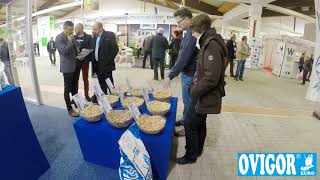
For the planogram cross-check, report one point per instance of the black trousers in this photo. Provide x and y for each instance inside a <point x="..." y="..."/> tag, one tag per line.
<point x="146" y="54"/>
<point x="156" y="63"/>
<point x="70" y="86"/>
<point x="102" y="81"/>
<point x="138" y="52"/>
<point x="173" y="61"/>
<point x="304" y="78"/>
<point x="230" y="61"/>
<point x="53" y="60"/>
<point x="196" y="131"/>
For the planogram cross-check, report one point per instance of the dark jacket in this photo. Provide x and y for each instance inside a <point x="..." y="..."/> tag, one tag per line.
<point x="67" y="53"/>
<point x="49" y="49"/>
<point x="208" y="83"/>
<point x="231" y="49"/>
<point x="108" y="50"/>
<point x="4" y="52"/>
<point x="187" y="58"/>
<point x="159" y="45"/>
<point x="147" y="43"/>
<point x="301" y="61"/>
<point x="175" y="46"/>
<point x="308" y="65"/>
<point x="84" y="43"/>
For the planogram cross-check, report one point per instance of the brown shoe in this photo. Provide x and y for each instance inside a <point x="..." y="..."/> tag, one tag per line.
<point x="73" y="113"/>
<point x="88" y="98"/>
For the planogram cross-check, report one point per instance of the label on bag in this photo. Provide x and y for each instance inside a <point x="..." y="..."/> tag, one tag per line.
<point x="104" y="103"/>
<point x="80" y="101"/>
<point x="146" y="95"/>
<point x="128" y="83"/>
<point x="134" y="111"/>
<point x="109" y="83"/>
<point x="98" y="91"/>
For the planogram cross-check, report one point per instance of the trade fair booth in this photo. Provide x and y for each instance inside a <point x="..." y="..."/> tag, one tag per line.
<point x="281" y="55"/>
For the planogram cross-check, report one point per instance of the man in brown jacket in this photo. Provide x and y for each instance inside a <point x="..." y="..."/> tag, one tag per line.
<point x="207" y="89"/>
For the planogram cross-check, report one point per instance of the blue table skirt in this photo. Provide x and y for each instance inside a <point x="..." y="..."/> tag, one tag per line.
<point x="99" y="142"/>
<point x="21" y="156"/>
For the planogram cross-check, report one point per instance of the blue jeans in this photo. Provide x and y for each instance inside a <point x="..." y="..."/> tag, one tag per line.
<point x="186" y="97"/>
<point x="240" y="69"/>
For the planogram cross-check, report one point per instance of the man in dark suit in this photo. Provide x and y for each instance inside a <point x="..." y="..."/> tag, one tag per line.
<point x="51" y="48"/>
<point x="67" y="50"/>
<point x="232" y="49"/>
<point x="105" y="50"/>
<point x="159" y="44"/>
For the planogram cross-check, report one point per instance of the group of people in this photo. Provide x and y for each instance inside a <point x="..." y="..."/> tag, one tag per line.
<point x="305" y="65"/>
<point x="201" y="64"/>
<point x="70" y="44"/>
<point x="155" y="47"/>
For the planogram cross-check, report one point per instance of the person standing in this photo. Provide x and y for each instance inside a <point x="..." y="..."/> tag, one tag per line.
<point x="139" y="44"/>
<point x="147" y="51"/>
<point x="301" y="62"/>
<point x="242" y="54"/>
<point x="106" y="49"/>
<point x="306" y="69"/>
<point x="36" y="48"/>
<point x="5" y="58"/>
<point x="232" y="49"/>
<point x="311" y="62"/>
<point x="187" y="59"/>
<point x="51" y="48"/>
<point x="67" y="50"/>
<point x="83" y="41"/>
<point x="174" y="47"/>
<point x="207" y="88"/>
<point x="159" y="44"/>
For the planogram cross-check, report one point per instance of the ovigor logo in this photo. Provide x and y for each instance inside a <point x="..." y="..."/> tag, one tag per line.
<point x="277" y="164"/>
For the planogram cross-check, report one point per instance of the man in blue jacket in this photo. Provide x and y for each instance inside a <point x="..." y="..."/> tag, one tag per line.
<point x="187" y="59"/>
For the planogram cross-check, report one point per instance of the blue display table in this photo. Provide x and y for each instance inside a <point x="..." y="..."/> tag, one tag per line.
<point x="21" y="156"/>
<point x="99" y="142"/>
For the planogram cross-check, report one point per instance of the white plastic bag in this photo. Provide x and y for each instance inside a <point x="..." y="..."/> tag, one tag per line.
<point x="135" y="160"/>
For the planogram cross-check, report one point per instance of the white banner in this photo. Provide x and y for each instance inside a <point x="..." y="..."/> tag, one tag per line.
<point x="313" y="93"/>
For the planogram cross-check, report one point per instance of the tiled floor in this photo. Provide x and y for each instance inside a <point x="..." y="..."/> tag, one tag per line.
<point x="262" y="114"/>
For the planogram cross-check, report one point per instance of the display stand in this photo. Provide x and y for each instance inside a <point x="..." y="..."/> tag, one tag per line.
<point x="99" y="142"/>
<point x="20" y="153"/>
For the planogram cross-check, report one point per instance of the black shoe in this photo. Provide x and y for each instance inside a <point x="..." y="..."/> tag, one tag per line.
<point x="235" y="78"/>
<point x="179" y="123"/>
<point x="225" y="76"/>
<point x="308" y="80"/>
<point x="241" y="79"/>
<point x="185" y="160"/>
<point x="302" y="83"/>
<point x="231" y="75"/>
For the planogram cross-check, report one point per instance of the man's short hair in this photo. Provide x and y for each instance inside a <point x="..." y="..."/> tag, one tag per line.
<point x="183" y="12"/>
<point x="1" y="40"/>
<point x="99" y="24"/>
<point x="201" y="23"/>
<point x="244" y="38"/>
<point x="68" y="24"/>
<point x="80" y="25"/>
<point x="160" y="30"/>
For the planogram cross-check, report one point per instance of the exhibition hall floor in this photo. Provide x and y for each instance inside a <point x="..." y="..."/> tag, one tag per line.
<point x="262" y="114"/>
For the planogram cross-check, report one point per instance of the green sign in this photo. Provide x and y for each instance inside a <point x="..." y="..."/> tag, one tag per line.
<point x="51" y="23"/>
<point x="44" y="41"/>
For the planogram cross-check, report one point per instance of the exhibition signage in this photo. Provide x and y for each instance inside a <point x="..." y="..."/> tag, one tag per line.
<point x="91" y="5"/>
<point x="277" y="164"/>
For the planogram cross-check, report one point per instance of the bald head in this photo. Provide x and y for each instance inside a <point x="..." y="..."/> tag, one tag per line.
<point x="79" y="29"/>
<point x="97" y="28"/>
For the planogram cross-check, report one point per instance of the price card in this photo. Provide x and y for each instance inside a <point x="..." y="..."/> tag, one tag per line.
<point x="109" y="83"/>
<point x="121" y="96"/>
<point x="104" y="103"/>
<point x="80" y="101"/>
<point x="128" y="83"/>
<point x="98" y="91"/>
<point x="146" y="95"/>
<point x="150" y="88"/>
<point x="134" y="111"/>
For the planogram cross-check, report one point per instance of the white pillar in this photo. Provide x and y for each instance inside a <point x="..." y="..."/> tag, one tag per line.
<point x="224" y="27"/>
<point x="313" y="92"/>
<point x="254" y="19"/>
